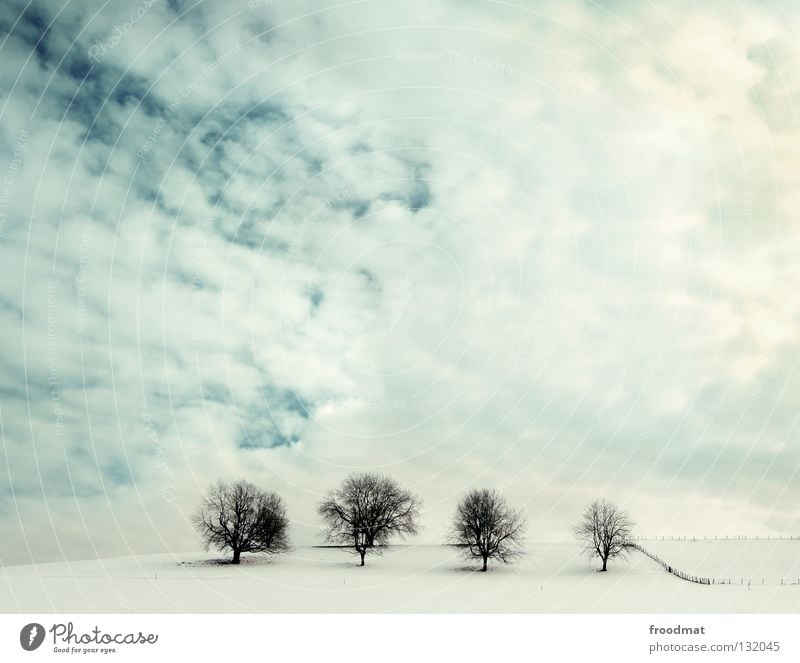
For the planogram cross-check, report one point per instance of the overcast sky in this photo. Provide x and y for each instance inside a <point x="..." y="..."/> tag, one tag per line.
<point x="552" y="250"/>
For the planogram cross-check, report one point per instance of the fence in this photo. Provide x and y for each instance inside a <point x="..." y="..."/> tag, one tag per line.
<point x="727" y="537"/>
<point x="671" y="569"/>
<point x="702" y="580"/>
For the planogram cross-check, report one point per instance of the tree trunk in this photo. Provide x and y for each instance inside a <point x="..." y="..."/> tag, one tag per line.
<point x="236" y="554"/>
<point x="362" y="553"/>
<point x="605" y="562"/>
<point x="485" y="561"/>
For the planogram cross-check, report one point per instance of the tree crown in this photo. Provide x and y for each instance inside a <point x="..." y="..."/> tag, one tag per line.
<point x="487" y="527"/>
<point x="368" y="509"/>
<point x="240" y="517"/>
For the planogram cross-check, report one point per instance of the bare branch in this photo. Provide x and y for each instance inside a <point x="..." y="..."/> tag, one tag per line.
<point x="241" y="518"/>
<point x="367" y="510"/>
<point x="487" y="528"/>
<point x="604" y="531"/>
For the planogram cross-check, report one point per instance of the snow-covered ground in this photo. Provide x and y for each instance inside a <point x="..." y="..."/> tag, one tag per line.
<point x="550" y="578"/>
<point x="758" y="560"/>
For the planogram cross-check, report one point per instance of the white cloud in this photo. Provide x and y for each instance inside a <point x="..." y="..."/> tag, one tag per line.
<point x="546" y="249"/>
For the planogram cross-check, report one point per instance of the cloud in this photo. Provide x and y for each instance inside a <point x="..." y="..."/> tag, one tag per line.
<point x="545" y="249"/>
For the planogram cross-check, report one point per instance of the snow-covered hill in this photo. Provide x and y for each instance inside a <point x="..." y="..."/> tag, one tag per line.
<point x="551" y="578"/>
<point x="770" y="561"/>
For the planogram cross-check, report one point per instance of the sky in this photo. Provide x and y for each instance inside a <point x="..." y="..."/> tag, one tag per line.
<point x="545" y="247"/>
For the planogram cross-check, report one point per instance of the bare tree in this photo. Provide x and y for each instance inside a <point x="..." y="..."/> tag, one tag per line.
<point x="241" y="518"/>
<point x="273" y="524"/>
<point x="487" y="528"/>
<point x="367" y="510"/>
<point x="604" y="530"/>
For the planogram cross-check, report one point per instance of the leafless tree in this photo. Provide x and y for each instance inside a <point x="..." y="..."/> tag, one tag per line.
<point x="241" y="518"/>
<point x="487" y="528"/>
<point x="604" y="530"/>
<point x="367" y="510"/>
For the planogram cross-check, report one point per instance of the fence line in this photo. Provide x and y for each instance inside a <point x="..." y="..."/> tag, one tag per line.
<point x="703" y="580"/>
<point x="700" y="580"/>
<point x="727" y="537"/>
